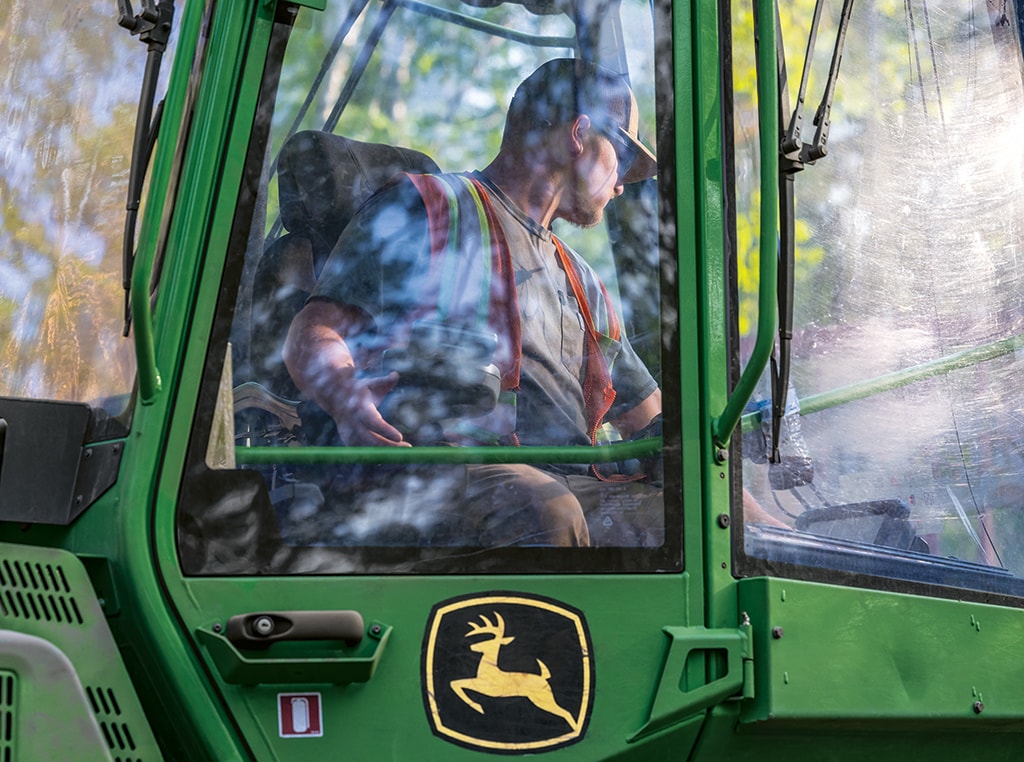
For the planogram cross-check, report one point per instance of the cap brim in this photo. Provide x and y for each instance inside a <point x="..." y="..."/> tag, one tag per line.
<point x="644" y="166"/>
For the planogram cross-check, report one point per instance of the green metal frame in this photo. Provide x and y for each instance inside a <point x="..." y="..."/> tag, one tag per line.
<point x="214" y="54"/>
<point x="657" y="601"/>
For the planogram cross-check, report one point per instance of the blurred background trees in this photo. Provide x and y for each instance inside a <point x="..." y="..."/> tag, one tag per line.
<point x="68" y="89"/>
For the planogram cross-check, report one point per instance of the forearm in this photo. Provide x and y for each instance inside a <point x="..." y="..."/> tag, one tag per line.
<point x="318" y="358"/>
<point x="636" y="418"/>
<point x="323" y="368"/>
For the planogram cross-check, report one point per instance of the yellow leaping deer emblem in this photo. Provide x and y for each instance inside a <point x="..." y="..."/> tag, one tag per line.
<point x="492" y="680"/>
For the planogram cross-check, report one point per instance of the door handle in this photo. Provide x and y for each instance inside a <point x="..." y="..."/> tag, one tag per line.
<point x="261" y="630"/>
<point x="347" y="651"/>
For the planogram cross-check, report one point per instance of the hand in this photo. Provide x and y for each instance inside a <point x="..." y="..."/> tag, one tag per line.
<point x="323" y="368"/>
<point x="359" y="421"/>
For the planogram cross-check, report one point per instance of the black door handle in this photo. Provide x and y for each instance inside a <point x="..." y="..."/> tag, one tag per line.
<point x="261" y="629"/>
<point x="353" y="660"/>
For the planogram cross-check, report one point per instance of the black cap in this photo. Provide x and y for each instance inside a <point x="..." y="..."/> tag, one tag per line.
<point x="563" y="88"/>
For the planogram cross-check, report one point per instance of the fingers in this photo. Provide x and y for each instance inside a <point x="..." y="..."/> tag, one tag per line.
<point x="379" y="432"/>
<point x="361" y="423"/>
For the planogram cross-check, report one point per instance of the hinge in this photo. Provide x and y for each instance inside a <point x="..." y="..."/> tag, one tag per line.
<point x="728" y="667"/>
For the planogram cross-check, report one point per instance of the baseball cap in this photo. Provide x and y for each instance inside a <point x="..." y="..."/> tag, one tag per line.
<point x="562" y="88"/>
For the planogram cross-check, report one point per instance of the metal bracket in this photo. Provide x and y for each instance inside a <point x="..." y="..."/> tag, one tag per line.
<point x="730" y="652"/>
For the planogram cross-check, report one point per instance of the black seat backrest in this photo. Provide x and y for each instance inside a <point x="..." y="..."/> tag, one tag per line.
<point x="323" y="179"/>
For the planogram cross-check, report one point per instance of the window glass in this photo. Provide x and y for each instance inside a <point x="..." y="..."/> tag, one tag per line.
<point x="901" y="448"/>
<point x="434" y="263"/>
<point x="68" y="100"/>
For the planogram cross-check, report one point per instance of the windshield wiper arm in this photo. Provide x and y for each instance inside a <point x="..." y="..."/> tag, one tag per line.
<point x="153" y="27"/>
<point x="794" y="155"/>
<point x="792" y="148"/>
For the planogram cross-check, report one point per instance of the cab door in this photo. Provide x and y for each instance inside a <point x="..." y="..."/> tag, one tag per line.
<point x="333" y="621"/>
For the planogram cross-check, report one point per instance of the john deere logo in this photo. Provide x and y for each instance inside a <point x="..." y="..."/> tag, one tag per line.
<point x="507" y="672"/>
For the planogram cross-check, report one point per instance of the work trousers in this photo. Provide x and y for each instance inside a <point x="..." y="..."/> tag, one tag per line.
<point x="520" y="504"/>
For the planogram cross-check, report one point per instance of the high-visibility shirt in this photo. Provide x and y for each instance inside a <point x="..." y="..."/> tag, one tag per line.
<point x="462" y="222"/>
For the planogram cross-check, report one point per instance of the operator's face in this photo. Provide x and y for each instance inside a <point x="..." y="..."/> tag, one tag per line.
<point x="597" y="175"/>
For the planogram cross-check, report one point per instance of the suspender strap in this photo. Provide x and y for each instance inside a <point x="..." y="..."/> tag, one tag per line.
<point x="461" y="218"/>
<point x="598" y="393"/>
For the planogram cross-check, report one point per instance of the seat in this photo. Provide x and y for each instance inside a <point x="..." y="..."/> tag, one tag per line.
<point x="323" y="180"/>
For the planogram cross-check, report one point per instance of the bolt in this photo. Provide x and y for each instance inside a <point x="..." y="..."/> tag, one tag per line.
<point x="376" y="630"/>
<point x="723" y="520"/>
<point x="263" y="626"/>
<point x="722" y="455"/>
<point x="777" y="632"/>
<point x="978" y="707"/>
<point x="217" y="627"/>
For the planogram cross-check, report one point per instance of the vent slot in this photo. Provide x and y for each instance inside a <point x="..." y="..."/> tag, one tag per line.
<point x="115" y="731"/>
<point x="37" y="591"/>
<point x="7" y="686"/>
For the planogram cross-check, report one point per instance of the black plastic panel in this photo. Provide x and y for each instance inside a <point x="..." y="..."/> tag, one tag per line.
<point x="47" y="475"/>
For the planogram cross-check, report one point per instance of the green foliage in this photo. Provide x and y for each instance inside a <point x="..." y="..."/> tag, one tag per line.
<point x="858" y="98"/>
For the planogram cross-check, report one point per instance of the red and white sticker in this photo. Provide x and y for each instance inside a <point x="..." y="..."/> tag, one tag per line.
<point x="299" y="715"/>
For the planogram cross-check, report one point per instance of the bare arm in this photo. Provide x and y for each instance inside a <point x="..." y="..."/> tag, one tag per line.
<point x="636" y="418"/>
<point x="322" y="367"/>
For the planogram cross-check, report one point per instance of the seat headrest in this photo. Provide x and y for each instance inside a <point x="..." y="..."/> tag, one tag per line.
<point x="324" y="178"/>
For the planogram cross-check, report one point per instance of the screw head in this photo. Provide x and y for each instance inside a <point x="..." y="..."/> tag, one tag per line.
<point x="724" y="520"/>
<point x="777" y="632"/>
<point x="978" y="707"/>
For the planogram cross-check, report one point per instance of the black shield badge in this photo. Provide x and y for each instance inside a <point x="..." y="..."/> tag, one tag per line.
<point x="507" y="672"/>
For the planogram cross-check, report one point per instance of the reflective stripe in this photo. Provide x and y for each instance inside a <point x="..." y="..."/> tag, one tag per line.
<point x="450" y="263"/>
<point x="484" y="305"/>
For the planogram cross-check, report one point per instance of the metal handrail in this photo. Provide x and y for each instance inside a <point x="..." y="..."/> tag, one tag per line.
<point x="815" y="403"/>
<point x="380" y="455"/>
<point x="767" y="307"/>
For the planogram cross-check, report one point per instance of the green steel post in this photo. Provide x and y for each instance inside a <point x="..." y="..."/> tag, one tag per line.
<point x="767" y="103"/>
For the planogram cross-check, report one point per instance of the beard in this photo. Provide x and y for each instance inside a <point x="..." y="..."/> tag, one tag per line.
<point x="586" y="212"/>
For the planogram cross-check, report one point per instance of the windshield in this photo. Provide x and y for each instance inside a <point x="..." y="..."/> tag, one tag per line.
<point x="903" y="440"/>
<point x="431" y="368"/>
<point x="68" y="99"/>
